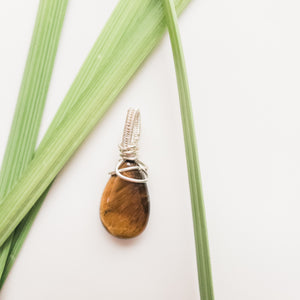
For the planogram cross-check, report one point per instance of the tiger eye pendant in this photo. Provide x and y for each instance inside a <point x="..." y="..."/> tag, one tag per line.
<point x="124" y="208"/>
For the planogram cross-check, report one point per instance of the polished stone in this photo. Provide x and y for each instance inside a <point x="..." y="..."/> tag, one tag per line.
<point x="124" y="209"/>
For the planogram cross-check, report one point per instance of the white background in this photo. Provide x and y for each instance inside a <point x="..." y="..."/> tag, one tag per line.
<point x="243" y="63"/>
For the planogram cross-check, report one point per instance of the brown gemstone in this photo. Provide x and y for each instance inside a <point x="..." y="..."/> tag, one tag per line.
<point x="124" y="209"/>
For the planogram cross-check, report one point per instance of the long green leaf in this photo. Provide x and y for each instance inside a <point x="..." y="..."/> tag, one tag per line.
<point x="106" y="44"/>
<point x="32" y="96"/>
<point x="200" y="231"/>
<point x="111" y="76"/>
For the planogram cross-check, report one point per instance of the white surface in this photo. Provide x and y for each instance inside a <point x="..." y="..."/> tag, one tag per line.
<point x="243" y="64"/>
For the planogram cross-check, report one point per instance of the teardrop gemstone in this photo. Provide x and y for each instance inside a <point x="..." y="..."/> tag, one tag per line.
<point x="124" y="209"/>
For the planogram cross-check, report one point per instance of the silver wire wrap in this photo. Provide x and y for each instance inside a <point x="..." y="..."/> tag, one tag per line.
<point x="129" y="147"/>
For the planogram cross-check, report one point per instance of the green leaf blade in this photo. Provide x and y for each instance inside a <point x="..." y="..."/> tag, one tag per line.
<point x="198" y="209"/>
<point x="31" y="100"/>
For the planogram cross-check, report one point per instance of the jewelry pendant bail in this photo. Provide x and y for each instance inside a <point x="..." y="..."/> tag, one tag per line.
<point x="129" y="147"/>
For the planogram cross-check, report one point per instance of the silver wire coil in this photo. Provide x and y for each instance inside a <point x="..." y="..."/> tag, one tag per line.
<point x="131" y="135"/>
<point x="129" y="147"/>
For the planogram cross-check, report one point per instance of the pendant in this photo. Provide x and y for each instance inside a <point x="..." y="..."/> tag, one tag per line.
<point x="124" y="208"/>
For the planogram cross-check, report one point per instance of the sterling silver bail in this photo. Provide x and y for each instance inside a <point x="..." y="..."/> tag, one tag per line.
<point x="129" y="147"/>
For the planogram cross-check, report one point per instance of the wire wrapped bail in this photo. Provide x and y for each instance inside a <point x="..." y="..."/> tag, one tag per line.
<point x="129" y="147"/>
<point x="131" y="135"/>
